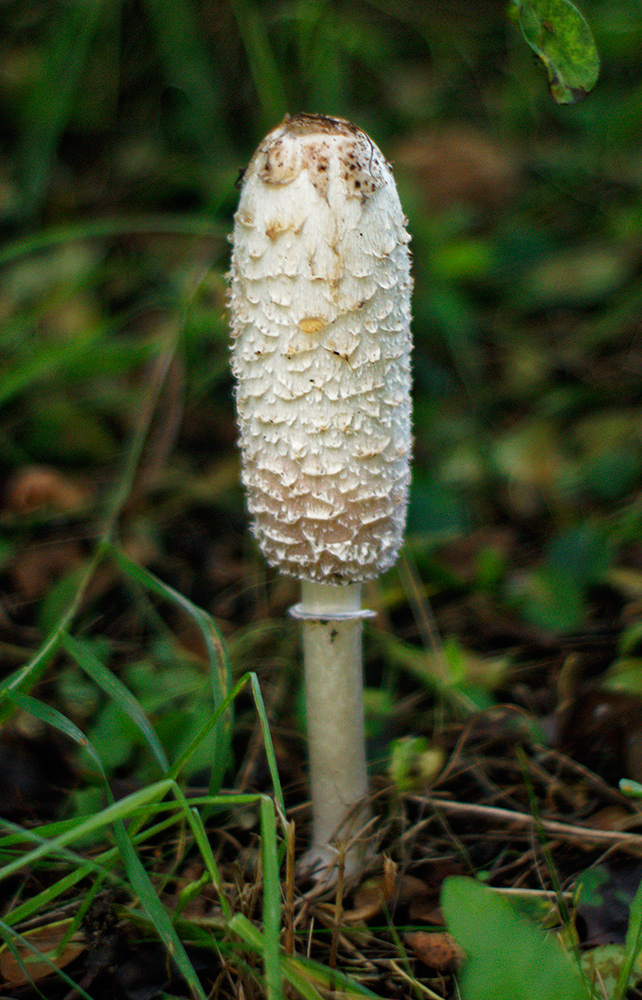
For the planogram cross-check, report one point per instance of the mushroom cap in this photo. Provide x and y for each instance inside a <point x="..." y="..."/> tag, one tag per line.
<point x="320" y="312"/>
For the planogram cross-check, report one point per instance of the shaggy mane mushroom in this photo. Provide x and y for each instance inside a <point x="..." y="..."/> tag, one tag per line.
<point x="320" y="311"/>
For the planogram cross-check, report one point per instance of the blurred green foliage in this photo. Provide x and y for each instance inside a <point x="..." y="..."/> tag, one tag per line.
<point x="124" y="124"/>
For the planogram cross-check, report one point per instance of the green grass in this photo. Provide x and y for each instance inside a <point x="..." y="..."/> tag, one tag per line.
<point x="146" y="812"/>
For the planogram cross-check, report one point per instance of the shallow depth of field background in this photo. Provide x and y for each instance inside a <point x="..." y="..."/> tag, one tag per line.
<point x="123" y="127"/>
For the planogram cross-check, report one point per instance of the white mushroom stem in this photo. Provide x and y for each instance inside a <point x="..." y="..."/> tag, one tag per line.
<point x="332" y="625"/>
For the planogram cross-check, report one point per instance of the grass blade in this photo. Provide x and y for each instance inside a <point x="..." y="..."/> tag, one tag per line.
<point x="50" y="104"/>
<point x="141" y="884"/>
<point x="52" y="717"/>
<point x="302" y="973"/>
<point x="267" y="741"/>
<point x="271" y="902"/>
<point x="88" y="229"/>
<point x="220" y="672"/>
<point x="203" y="844"/>
<point x="139" y="880"/>
<point x="263" y="66"/>
<point x="48" y="361"/>
<point x="188" y="68"/>
<point x="56" y="847"/>
<point x="113" y="687"/>
<point x="11" y="938"/>
<point x="632" y="945"/>
<point x="218" y="712"/>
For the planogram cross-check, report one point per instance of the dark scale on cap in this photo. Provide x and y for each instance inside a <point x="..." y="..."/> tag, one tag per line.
<point x="305" y="124"/>
<point x="361" y="166"/>
<point x="362" y="169"/>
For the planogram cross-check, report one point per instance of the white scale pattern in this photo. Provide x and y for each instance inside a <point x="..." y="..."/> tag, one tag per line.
<point x="320" y="291"/>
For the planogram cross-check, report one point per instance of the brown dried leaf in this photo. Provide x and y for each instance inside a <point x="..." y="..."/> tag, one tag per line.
<point x="410" y="889"/>
<point x="38" y="487"/>
<point x="437" y="949"/>
<point x="46" y="941"/>
<point x="611" y="817"/>
<point x="368" y="901"/>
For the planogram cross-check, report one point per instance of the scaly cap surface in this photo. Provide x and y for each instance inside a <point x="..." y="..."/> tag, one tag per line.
<point x="320" y="311"/>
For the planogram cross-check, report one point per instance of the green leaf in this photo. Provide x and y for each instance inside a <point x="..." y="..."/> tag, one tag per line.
<point x="559" y="35"/>
<point x="556" y="592"/>
<point x="582" y="551"/>
<point x="507" y="954"/>
<point x="631" y="788"/>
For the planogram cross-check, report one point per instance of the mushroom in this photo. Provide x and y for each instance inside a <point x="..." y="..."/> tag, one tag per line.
<point x="320" y="312"/>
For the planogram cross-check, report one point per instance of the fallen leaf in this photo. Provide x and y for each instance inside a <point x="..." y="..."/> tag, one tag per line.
<point x="369" y="900"/>
<point x="612" y="817"/>
<point x="38" y="487"/>
<point x="38" y="957"/>
<point x="437" y="949"/>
